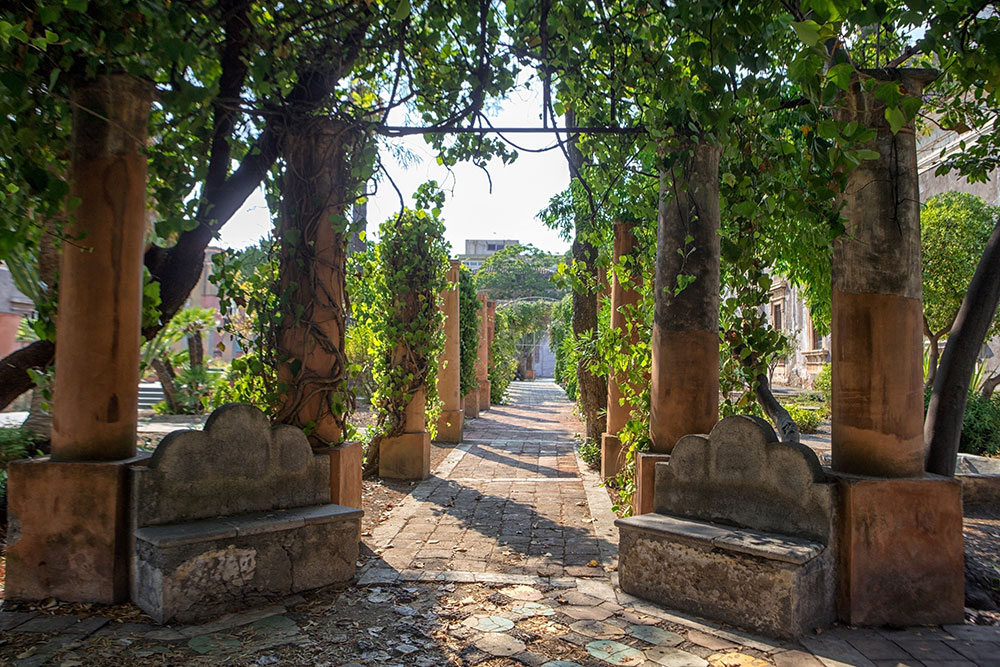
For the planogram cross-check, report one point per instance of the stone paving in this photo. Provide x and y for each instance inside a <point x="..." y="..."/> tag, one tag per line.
<point x="505" y="556"/>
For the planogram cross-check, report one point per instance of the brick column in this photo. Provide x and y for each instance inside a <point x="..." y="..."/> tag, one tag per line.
<point x="449" y="426"/>
<point x="900" y="530"/>
<point x="482" y="357"/>
<point x="71" y="510"/>
<point x="622" y="296"/>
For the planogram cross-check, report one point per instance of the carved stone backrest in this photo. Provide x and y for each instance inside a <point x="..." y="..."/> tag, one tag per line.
<point x="239" y="463"/>
<point x="740" y="475"/>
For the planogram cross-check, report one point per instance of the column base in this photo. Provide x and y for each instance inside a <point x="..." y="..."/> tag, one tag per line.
<point x="69" y="536"/>
<point x="450" y="426"/>
<point x="484" y="395"/>
<point x="345" y="473"/>
<point x="406" y="456"/>
<point x="900" y="556"/>
<point x="471" y="401"/>
<point x="612" y="456"/>
<point x="645" y="476"/>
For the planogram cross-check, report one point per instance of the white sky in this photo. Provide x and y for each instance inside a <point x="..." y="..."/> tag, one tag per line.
<point x="520" y="190"/>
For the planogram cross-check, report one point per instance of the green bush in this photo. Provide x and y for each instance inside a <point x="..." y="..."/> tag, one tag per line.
<point x="15" y="443"/>
<point x="807" y="420"/>
<point x="823" y="382"/>
<point x="590" y="452"/>
<point x="981" y="426"/>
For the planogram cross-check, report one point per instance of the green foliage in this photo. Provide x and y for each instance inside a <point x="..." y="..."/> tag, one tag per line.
<point x="954" y="228"/>
<point x="562" y="343"/>
<point x="15" y="444"/>
<point x="249" y="301"/>
<point x="516" y="272"/>
<point x="590" y="452"/>
<point x="514" y="328"/>
<point x="807" y="420"/>
<point x="468" y="323"/>
<point x="824" y="382"/>
<point x="980" y="425"/>
<point x="407" y="324"/>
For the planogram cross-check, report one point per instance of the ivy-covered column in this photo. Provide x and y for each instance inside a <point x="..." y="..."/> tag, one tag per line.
<point x="491" y="331"/>
<point x="624" y="297"/>
<point x="71" y="510"/>
<point x="469" y="324"/>
<point x="450" y="423"/>
<point x="312" y="232"/>
<point x="684" y="387"/>
<point x="901" y="530"/>
<point x="482" y="357"/>
<point x="316" y="190"/>
<point x="413" y="263"/>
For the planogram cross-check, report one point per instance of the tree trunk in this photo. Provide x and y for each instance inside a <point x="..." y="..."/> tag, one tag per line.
<point x="592" y="388"/>
<point x="165" y="374"/>
<point x="943" y="423"/>
<point x="990" y="385"/>
<point x="788" y="430"/>
<point x="196" y="349"/>
<point x="316" y="189"/>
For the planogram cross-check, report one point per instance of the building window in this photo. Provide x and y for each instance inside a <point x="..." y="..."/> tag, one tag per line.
<point x="815" y="339"/>
<point x="776" y="316"/>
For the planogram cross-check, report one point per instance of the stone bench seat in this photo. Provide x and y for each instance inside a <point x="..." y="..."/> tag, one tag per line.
<point x="742" y="532"/>
<point x="769" y="546"/>
<point x="235" y="515"/>
<point x="253" y="523"/>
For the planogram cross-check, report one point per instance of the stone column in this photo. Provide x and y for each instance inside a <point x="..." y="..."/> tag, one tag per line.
<point x="408" y="455"/>
<point x="312" y="365"/>
<point x="901" y="530"/>
<point x="684" y="386"/>
<point x="482" y="358"/>
<point x="623" y="296"/>
<point x="71" y="510"/>
<point x="449" y="426"/>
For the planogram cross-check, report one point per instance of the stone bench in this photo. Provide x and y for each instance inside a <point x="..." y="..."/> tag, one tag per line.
<point x="742" y="532"/>
<point x="235" y="515"/>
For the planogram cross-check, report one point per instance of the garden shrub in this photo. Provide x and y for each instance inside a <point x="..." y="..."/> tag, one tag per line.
<point x="807" y="420"/>
<point x="590" y="452"/>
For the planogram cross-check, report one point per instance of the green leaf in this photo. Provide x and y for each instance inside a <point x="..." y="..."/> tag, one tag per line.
<point x="896" y="118"/>
<point x="807" y="31"/>
<point x="840" y="75"/>
<point x="402" y="10"/>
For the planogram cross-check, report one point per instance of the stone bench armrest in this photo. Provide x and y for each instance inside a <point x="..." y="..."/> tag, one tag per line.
<point x="253" y="523"/>
<point x="770" y="546"/>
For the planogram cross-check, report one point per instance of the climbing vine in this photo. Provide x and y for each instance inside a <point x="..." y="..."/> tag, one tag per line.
<point x="408" y="330"/>
<point x="468" y="323"/>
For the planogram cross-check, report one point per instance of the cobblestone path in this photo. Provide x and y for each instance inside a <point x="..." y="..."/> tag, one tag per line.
<point x="510" y="499"/>
<point x="506" y="556"/>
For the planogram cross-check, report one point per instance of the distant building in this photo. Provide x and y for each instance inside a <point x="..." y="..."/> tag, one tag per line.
<point x="13" y="307"/>
<point x="478" y="250"/>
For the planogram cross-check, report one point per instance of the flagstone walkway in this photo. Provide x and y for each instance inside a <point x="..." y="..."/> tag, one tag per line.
<point x="505" y="556"/>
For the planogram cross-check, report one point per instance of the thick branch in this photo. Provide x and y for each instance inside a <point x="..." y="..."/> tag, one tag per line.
<point x="14" y="378"/>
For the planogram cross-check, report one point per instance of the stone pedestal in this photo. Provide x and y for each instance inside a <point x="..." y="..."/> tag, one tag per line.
<point x="612" y="456"/>
<point x="900" y="556"/>
<point x="69" y="535"/>
<point x="645" y="478"/>
<point x="408" y="455"/>
<point x="484" y="395"/>
<point x="470" y="403"/>
<point x="450" y="424"/>
<point x="345" y="473"/>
